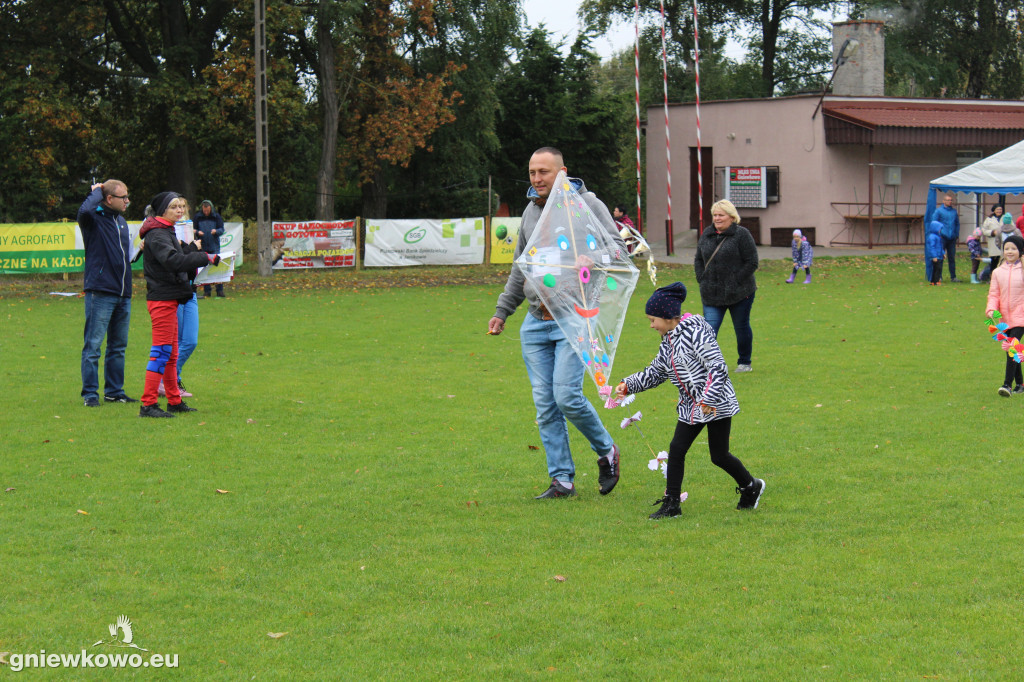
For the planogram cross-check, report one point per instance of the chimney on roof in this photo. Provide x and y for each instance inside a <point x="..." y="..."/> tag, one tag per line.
<point x="860" y="67"/>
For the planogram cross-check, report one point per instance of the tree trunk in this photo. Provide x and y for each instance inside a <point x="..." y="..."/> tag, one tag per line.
<point x="329" y="105"/>
<point x="979" y="62"/>
<point x="771" y="18"/>
<point x="375" y="196"/>
<point x="181" y="176"/>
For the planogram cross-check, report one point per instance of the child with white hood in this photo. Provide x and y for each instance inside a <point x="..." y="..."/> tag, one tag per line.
<point x="803" y="254"/>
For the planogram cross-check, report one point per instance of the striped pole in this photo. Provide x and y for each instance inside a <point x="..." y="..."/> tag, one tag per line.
<point x="636" y="71"/>
<point x="700" y="173"/>
<point x="669" y="235"/>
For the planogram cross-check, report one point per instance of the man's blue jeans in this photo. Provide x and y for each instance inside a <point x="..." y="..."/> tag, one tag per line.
<point x="105" y="315"/>
<point x="556" y="375"/>
<point x="740" y="314"/>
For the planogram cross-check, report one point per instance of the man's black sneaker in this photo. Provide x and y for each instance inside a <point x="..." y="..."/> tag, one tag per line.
<point x="119" y="399"/>
<point x="92" y="402"/>
<point x="750" y="495"/>
<point x="556" y="489"/>
<point x="153" y="411"/>
<point x="669" y="508"/>
<point x="608" y="474"/>
<point x="1004" y="390"/>
<point x="180" y="407"/>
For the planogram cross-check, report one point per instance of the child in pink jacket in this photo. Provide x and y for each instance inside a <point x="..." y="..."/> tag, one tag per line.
<point x="1006" y="294"/>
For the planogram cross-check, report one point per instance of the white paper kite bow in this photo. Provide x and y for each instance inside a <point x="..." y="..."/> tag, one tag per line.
<point x="580" y="270"/>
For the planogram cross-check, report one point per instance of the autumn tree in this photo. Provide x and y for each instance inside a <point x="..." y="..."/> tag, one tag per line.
<point x="451" y="178"/>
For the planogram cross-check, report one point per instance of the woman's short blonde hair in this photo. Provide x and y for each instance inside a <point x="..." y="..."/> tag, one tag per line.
<point x="725" y="206"/>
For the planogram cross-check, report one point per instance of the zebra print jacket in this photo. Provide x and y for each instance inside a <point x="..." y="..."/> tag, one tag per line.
<point x="690" y="358"/>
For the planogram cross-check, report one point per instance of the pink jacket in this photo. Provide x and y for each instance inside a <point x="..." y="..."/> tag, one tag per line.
<point x="1006" y="293"/>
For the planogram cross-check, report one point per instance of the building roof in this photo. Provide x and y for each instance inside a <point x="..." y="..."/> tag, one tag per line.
<point x="897" y="121"/>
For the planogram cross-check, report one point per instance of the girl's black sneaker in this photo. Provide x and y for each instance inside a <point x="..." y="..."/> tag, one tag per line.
<point x="669" y="508"/>
<point x="751" y="495"/>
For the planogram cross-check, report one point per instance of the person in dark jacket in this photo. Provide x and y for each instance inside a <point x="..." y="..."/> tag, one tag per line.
<point x="108" y="290"/>
<point x="169" y="267"/>
<point x="209" y="226"/>
<point x="724" y="267"/>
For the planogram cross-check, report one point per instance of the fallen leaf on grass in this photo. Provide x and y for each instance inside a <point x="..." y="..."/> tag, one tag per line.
<point x="468" y="503"/>
<point x="9" y="490"/>
<point x="82" y="512"/>
<point x="3" y="657"/>
<point x="559" y="578"/>
<point x="276" y="635"/>
<point x="250" y="421"/>
<point x="223" y="492"/>
<point x="533" y="447"/>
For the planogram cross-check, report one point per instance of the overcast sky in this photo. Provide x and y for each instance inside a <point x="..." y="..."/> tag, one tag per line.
<point x="559" y="17"/>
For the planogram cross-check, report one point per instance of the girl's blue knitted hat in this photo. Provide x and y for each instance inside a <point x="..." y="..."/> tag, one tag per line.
<point x="666" y="302"/>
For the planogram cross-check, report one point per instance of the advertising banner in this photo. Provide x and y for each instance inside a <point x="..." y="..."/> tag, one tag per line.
<point x="504" y="235"/>
<point x="314" y="244"/>
<point x="391" y="243"/>
<point x="40" y="247"/>
<point x="58" y="247"/>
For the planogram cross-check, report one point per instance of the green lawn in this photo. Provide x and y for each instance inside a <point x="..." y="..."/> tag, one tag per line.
<point x="378" y="450"/>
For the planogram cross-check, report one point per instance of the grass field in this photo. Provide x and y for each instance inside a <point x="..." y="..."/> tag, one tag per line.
<point x="378" y="452"/>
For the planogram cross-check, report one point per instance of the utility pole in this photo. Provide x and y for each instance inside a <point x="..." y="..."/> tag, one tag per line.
<point x="263" y="227"/>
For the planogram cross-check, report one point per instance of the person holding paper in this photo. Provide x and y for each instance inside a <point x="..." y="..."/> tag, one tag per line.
<point x="169" y="267"/>
<point x="209" y="226"/>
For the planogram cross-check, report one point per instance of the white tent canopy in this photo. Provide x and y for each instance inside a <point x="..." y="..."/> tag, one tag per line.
<point x="1001" y="173"/>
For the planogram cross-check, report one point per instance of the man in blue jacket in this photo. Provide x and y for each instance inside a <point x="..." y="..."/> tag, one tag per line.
<point x="950" y="219"/>
<point x="108" y="290"/>
<point x="209" y="226"/>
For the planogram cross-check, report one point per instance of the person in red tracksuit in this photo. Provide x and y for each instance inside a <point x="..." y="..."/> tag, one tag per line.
<point x="169" y="267"/>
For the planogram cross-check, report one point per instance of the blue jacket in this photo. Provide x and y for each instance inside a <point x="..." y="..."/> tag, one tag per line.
<point x="212" y="227"/>
<point x="108" y="247"/>
<point x="950" y="220"/>
<point x="933" y="240"/>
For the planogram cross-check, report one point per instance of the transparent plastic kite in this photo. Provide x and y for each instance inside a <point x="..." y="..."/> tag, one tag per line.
<point x="583" y="276"/>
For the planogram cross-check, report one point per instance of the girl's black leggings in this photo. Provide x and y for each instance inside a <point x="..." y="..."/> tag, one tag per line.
<point x="1013" y="370"/>
<point x="718" y="444"/>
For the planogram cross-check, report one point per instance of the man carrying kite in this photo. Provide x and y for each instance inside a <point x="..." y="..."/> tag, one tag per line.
<point x="553" y="366"/>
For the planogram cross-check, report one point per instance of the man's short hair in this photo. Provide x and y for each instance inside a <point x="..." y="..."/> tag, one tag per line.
<point x="112" y="187"/>
<point x="554" y="152"/>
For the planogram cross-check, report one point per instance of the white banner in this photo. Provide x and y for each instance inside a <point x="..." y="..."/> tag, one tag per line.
<point x="231" y="240"/>
<point x="391" y="243"/>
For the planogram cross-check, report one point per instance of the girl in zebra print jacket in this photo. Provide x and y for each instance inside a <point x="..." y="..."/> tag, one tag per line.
<point x="690" y="358"/>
